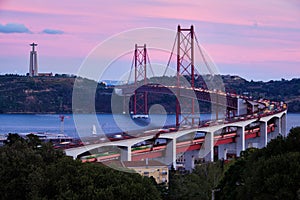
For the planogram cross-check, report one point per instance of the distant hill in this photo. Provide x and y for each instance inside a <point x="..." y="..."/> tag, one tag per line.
<point x="22" y="94"/>
<point x="283" y="90"/>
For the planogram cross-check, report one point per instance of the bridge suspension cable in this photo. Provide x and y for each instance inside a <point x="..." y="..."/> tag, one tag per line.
<point x="170" y="58"/>
<point x="131" y="69"/>
<point x="202" y="55"/>
<point x="149" y="64"/>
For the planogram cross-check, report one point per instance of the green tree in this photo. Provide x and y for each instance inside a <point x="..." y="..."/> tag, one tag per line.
<point x="196" y="185"/>
<point x="33" y="170"/>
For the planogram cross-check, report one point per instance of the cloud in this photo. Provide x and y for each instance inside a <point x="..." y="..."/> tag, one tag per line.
<point x="52" y="31"/>
<point x="14" y="28"/>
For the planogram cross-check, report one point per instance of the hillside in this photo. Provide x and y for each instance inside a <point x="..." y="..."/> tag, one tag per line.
<point x="21" y="94"/>
<point x="283" y="90"/>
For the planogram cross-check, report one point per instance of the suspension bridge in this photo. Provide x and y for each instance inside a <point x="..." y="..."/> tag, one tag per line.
<point x="240" y="122"/>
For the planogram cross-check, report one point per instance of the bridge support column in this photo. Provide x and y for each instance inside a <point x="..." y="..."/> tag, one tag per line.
<point x="208" y="151"/>
<point x="283" y="125"/>
<point x="240" y="140"/>
<point x="189" y="163"/>
<point x="263" y="135"/>
<point x="277" y="130"/>
<point x="170" y="158"/>
<point x="126" y="107"/>
<point x="222" y="152"/>
<point x="125" y="153"/>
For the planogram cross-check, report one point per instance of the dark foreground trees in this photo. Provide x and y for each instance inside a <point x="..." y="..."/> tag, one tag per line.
<point x="195" y="185"/>
<point x="31" y="170"/>
<point x="269" y="173"/>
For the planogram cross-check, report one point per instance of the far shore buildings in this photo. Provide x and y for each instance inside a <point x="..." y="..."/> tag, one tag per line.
<point x="33" y="64"/>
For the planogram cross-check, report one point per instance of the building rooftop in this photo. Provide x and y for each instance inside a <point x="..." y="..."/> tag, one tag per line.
<point x="143" y="163"/>
<point x="134" y="164"/>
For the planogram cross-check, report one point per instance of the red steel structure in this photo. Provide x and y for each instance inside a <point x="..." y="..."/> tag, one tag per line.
<point x="187" y="107"/>
<point x="140" y="78"/>
<point x="185" y="66"/>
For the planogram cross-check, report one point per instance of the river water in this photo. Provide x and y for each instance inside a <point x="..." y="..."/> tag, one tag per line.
<point x="106" y="123"/>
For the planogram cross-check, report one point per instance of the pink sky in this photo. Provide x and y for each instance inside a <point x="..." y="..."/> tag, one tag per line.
<point x="258" y="39"/>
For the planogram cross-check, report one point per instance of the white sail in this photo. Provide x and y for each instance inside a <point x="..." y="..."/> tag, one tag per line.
<point x="94" y="130"/>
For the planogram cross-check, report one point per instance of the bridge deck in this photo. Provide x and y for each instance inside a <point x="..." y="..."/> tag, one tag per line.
<point x="240" y="122"/>
<point x="219" y="98"/>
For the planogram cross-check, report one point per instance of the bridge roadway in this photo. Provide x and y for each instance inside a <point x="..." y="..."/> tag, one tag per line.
<point x="215" y="97"/>
<point x="210" y="140"/>
<point x="157" y="151"/>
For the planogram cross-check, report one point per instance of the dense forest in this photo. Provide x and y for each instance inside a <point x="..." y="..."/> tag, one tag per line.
<point x="34" y="170"/>
<point x="22" y="94"/>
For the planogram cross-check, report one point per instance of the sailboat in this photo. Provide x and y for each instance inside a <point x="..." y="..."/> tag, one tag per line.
<point x="94" y="131"/>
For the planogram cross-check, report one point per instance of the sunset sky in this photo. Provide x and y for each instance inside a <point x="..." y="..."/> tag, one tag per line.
<point x="257" y="39"/>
